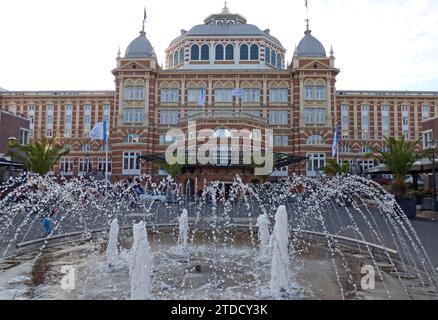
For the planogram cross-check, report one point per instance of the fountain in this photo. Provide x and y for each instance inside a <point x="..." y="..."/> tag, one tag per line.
<point x="280" y="255"/>
<point x="326" y="232"/>
<point x="183" y="229"/>
<point x="113" y="250"/>
<point x="263" y="234"/>
<point x="140" y="267"/>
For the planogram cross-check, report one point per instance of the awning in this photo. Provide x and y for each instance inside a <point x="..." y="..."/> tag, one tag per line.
<point x="6" y="162"/>
<point x="281" y="160"/>
<point x="419" y="167"/>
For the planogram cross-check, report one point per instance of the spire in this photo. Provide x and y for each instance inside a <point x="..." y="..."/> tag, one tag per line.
<point x="331" y="51"/>
<point x="225" y="10"/>
<point x="119" y="53"/>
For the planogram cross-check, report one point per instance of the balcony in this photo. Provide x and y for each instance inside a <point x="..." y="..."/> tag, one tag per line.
<point x="228" y="116"/>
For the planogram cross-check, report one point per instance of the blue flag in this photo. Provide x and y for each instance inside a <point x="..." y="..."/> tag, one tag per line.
<point x="202" y="97"/>
<point x="335" y="143"/>
<point x="238" y="93"/>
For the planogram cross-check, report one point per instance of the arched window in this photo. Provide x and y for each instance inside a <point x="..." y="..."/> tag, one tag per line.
<point x="175" y="59"/>
<point x="244" y="52"/>
<point x="273" y="58"/>
<point x="267" y="55"/>
<point x="315" y="140"/>
<point x="132" y="139"/>
<point x="219" y="52"/>
<point x="181" y="55"/>
<point x="279" y="61"/>
<point x="205" y="52"/>
<point x="254" y="52"/>
<point x="229" y="52"/>
<point x="171" y="61"/>
<point x="194" y="52"/>
<point x="222" y="133"/>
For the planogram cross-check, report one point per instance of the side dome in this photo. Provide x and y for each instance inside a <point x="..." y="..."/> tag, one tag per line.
<point x="310" y="47"/>
<point x="140" y="48"/>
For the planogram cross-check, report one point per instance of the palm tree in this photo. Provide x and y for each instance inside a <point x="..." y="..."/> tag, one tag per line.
<point x="399" y="157"/>
<point x="333" y="168"/>
<point x="173" y="169"/>
<point x="40" y="156"/>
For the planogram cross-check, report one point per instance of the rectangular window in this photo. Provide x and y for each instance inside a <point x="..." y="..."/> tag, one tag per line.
<point x="321" y="116"/>
<point x="320" y="93"/>
<point x="281" y="141"/>
<point x="251" y="95"/>
<point x="425" y="111"/>
<point x="139" y="93"/>
<point x="315" y="164"/>
<point x="49" y="133"/>
<point x="66" y="166"/>
<point x="278" y="117"/>
<point x="49" y="121"/>
<point x="427" y="139"/>
<point x="309" y="93"/>
<point x="128" y="115"/>
<point x="278" y="95"/>
<point x="31" y="108"/>
<point x="192" y="95"/>
<point x="365" y="118"/>
<point x="24" y="137"/>
<point x="68" y="120"/>
<point x="345" y="120"/>
<point x="129" y="93"/>
<point x="102" y="165"/>
<point x="50" y="108"/>
<point x="67" y="133"/>
<point x="69" y="108"/>
<point x="223" y="95"/>
<point x="310" y="116"/>
<point x="168" y="117"/>
<point x="169" y="95"/>
<point x="133" y="115"/>
<point x="131" y="165"/>
<point x="84" y="166"/>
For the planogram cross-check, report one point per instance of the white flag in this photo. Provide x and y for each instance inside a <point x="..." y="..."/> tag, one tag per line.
<point x="238" y="93"/>
<point x="98" y="132"/>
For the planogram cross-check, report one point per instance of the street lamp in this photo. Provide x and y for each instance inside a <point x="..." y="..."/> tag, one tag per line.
<point x="11" y="141"/>
<point x="433" y="145"/>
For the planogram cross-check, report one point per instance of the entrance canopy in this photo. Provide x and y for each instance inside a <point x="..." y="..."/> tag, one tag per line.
<point x="281" y="160"/>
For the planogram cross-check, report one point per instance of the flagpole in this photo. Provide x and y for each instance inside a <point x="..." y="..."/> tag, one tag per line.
<point x="106" y="154"/>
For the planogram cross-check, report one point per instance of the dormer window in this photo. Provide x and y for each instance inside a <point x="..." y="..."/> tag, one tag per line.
<point x="230" y="23"/>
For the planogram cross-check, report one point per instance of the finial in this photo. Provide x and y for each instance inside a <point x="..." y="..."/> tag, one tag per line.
<point x="331" y="50"/>
<point x="225" y="10"/>
<point x="144" y="19"/>
<point x="307" y="19"/>
<point x="119" y="53"/>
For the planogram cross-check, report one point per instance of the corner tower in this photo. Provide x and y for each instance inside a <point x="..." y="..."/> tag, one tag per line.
<point x="135" y="81"/>
<point x="314" y="76"/>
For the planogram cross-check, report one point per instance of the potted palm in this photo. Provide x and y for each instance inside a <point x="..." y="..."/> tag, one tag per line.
<point x="399" y="157"/>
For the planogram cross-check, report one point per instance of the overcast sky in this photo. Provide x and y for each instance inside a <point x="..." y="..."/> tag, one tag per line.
<point x="72" y="45"/>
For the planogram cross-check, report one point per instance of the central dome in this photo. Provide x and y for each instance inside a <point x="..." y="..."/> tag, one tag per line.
<point x="140" y="48"/>
<point x="226" y="24"/>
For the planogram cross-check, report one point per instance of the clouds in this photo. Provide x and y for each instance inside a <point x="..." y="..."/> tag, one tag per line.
<point x="384" y="45"/>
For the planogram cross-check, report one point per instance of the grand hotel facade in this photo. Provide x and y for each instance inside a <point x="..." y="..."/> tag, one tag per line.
<point x="298" y="101"/>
